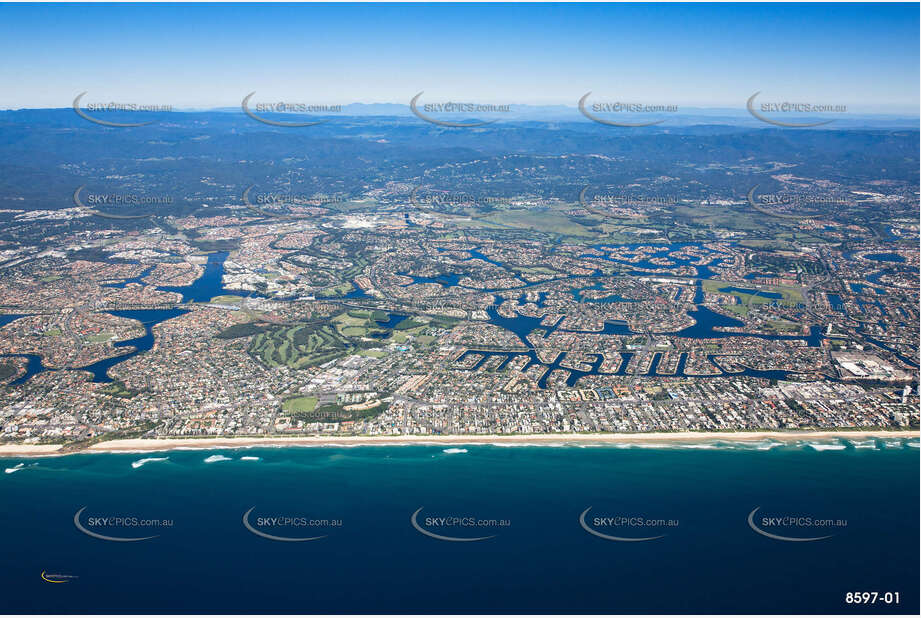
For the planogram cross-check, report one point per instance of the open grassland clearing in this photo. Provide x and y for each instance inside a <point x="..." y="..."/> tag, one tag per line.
<point x="548" y="221"/>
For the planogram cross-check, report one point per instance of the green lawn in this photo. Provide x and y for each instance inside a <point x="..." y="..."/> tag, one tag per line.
<point x="359" y="323"/>
<point x="338" y="290"/>
<point x="791" y="295"/>
<point x="299" y="404"/>
<point x="783" y="326"/>
<point x="227" y="299"/>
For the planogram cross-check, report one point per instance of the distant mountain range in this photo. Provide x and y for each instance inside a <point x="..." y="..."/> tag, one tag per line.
<point x="684" y="117"/>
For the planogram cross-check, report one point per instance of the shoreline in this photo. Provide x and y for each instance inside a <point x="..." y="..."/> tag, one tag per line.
<point x="144" y="445"/>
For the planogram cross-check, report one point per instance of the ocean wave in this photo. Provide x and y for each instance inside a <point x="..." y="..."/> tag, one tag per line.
<point x="761" y="445"/>
<point x="250" y="458"/>
<point x="824" y="446"/>
<point x="15" y="468"/>
<point x="742" y="445"/>
<point x="216" y="458"/>
<point x="892" y="444"/>
<point x="515" y="444"/>
<point x="642" y="445"/>
<point x="451" y="451"/>
<point x="863" y="443"/>
<point x="720" y="445"/>
<point x="913" y="443"/>
<point x="141" y="462"/>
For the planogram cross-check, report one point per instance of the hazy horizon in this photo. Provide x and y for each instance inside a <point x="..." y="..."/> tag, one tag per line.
<point x="701" y="56"/>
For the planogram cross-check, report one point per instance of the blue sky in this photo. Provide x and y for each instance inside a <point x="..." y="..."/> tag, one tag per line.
<point x="861" y="55"/>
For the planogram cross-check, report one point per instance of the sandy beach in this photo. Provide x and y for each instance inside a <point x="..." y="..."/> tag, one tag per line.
<point x="28" y="450"/>
<point x="165" y="444"/>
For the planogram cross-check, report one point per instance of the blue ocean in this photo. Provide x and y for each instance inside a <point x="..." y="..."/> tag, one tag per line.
<point x="715" y="527"/>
